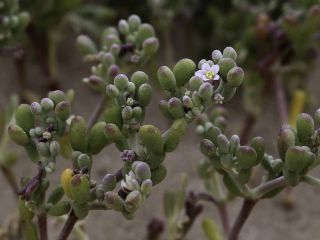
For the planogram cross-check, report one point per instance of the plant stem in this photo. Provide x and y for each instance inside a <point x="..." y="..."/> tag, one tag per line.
<point x="68" y="226"/>
<point x="311" y="180"/>
<point x="42" y="225"/>
<point x="259" y="191"/>
<point x="97" y="112"/>
<point x="7" y="173"/>
<point x="243" y="215"/>
<point x="281" y="101"/>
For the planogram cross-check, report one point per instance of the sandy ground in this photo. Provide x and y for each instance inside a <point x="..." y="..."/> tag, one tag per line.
<point x="268" y="221"/>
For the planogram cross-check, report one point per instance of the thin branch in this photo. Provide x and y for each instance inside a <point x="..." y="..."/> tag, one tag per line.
<point x="68" y="226"/>
<point x="42" y="226"/>
<point x="9" y="176"/>
<point x="311" y="180"/>
<point x="259" y="191"/>
<point x="244" y="213"/>
<point x="97" y="112"/>
<point x="281" y="101"/>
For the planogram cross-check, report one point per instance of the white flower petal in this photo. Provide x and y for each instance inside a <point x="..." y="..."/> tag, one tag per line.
<point x="199" y="73"/>
<point x="216" y="77"/>
<point x="205" y="67"/>
<point x="215" y="68"/>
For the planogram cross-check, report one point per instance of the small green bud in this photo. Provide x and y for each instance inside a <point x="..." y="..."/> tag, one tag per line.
<point x="195" y="83"/>
<point x="150" y="46"/>
<point x="86" y="45"/>
<point x="297" y="158"/>
<point x="57" y="96"/>
<point x="305" y="127"/>
<point x="43" y="149"/>
<point x="229" y="52"/>
<point x="46" y="104"/>
<point x="78" y="134"/>
<point x="114" y="201"/>
<point x="144" y="94"/>
<point x="123" y="27"/>
<point x="154" y="160"/>
<point x="131" y="88"/>
<point x="223" y="144"/>
<point x="112" y="91"/>
<point x="107" y="59"/>
<point x="115" y="49"/>
<point x="138" y="113"/>
<point x="235" y="76"/>
<point x="113" y="71"/>
<point x="234" y="144"/>
<point x="121" y="81"/>
<point x="133" y="201"/>
<point x="139" y="78"/>
<point x="134" y="22"/>
<point x="17" y="134"/>
<point x="206" y="91"/>
<point x="216" y="56"/>
<point x="80" y="188"/>
<point x="150" y="137"/>
<point x="56" y="195"/>
<point x="54" y="148"/>
<point x="164" y="108"/>
<point x="63" y="110"/>
<point x="24" y="117"/>
<point x="81" y="210"/>
<point x="113" y="114"/>
<point x="286" y="139"/>
<point x="59" y="209"/>
<point x="211" y="229"/>
<point x="111" y="39"/>
<point x="166" y="79"/>
<point x="97" y="139"/>
<point x="175" y="108"/>
<point x="187" y="102"/>
<point x="35" y="108"/>
<point x="112" y="132"/>
<point x="144" y="32"/>
<point x="158" y="174"/>
<point x="84" y="161"/>
<point x="127" y="113"/>
<point x="228" y="92"/>
<point x="226" y="64"/>
<point x="109" y="182"/>
<point x="141" y="170"/>
<point x="184" y="70"/>
<point x="174" y="135"/>
<point x="146" y="187"/>
<point x="258" y="145"/>
<point x="208" y="148"/>
<point x="246" y="157"/>
<point x="212" y="134"/>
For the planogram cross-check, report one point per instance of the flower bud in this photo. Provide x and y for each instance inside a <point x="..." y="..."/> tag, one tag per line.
<point x="235" y="76"/>
<point x="246" y="157"/>
<point x="86" y="45"/>
<point x="297" y="158"/>
<point x="196" y="99"/>
<point x="206" y="91"/>
<point x="35" y="108"/>
<point x="227" y="93"/>
<point x="286" y="139"/>
<point x="166" y="79"/>
<point x="46" y="104"/>
<point x="121" y="82"/>
<point x="127" y="113"/>
<point x="234" y="144"/>
<point x="114" y="201"/>
<point x="150" y="137"/>
<point x="150" y="46"/>
<point x="17" y="135"/>
<point x="208" y="148"/>
<point x="78" y="134"/>
<point x="54" y="148"/>
<point x="113" y="115"/>
<point x="158" y="174"/>
<point x="154" y="160"/>
<point x="144" y="94"/>
<point x="212" y="134"/>
<point x="211" y="229"/>
<point x="183" y="71"/>
<point x="141" y="170"/>
<point x="257" y="144"/>
<point x="139" y="78"/>
<point x="175" y="108"/>
<point x="134" y="22"/>
<point x="112" y="91"/>
<point x="109" y="182"/>
<point x="113" y="71"/>
<point x="112" y="132"/>
<point x="305" y="127"/>
<point x="56" y="195"/>
<point x="216" y="56"/>
<point x="107" y="59"/>
<point x="57" y="96"/>
<point x="174" y="134"/>
<point x="81" y="210"/>
<point x="123" y="27"/>
<point x="66" y="177"/>
<point x="187" y="102"/>
<point x="97" y="140"/>
<point x="146" y="187"/>
<point x="84" y="161"/>
<point x="138" y="113"/>
<point x="24" y="117"/>
<point x="164" y="109"/>
<point x="111" y="39"/>
<point x="80" y="188"/>
<point x="59" y="209"/>
<point x="229" y="52"/>
<point x="63" y="110"/>
<point x="43" y="149"/>
<point x="133" y="201"/>
<point x="195" y="83"/>
<point x="145" y="31"/>
<point x="223" y="144"/>
<point x="226" y="64"/>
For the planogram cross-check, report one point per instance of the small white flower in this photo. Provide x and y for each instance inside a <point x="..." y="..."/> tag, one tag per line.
<point x="208" y="72"/>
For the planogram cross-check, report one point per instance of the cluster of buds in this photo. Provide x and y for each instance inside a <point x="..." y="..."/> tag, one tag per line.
<point x="12" y="20"/>
<point x="131" y="43"/>
<point x="40" y="126"/>
<point x="190" y="92"/>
